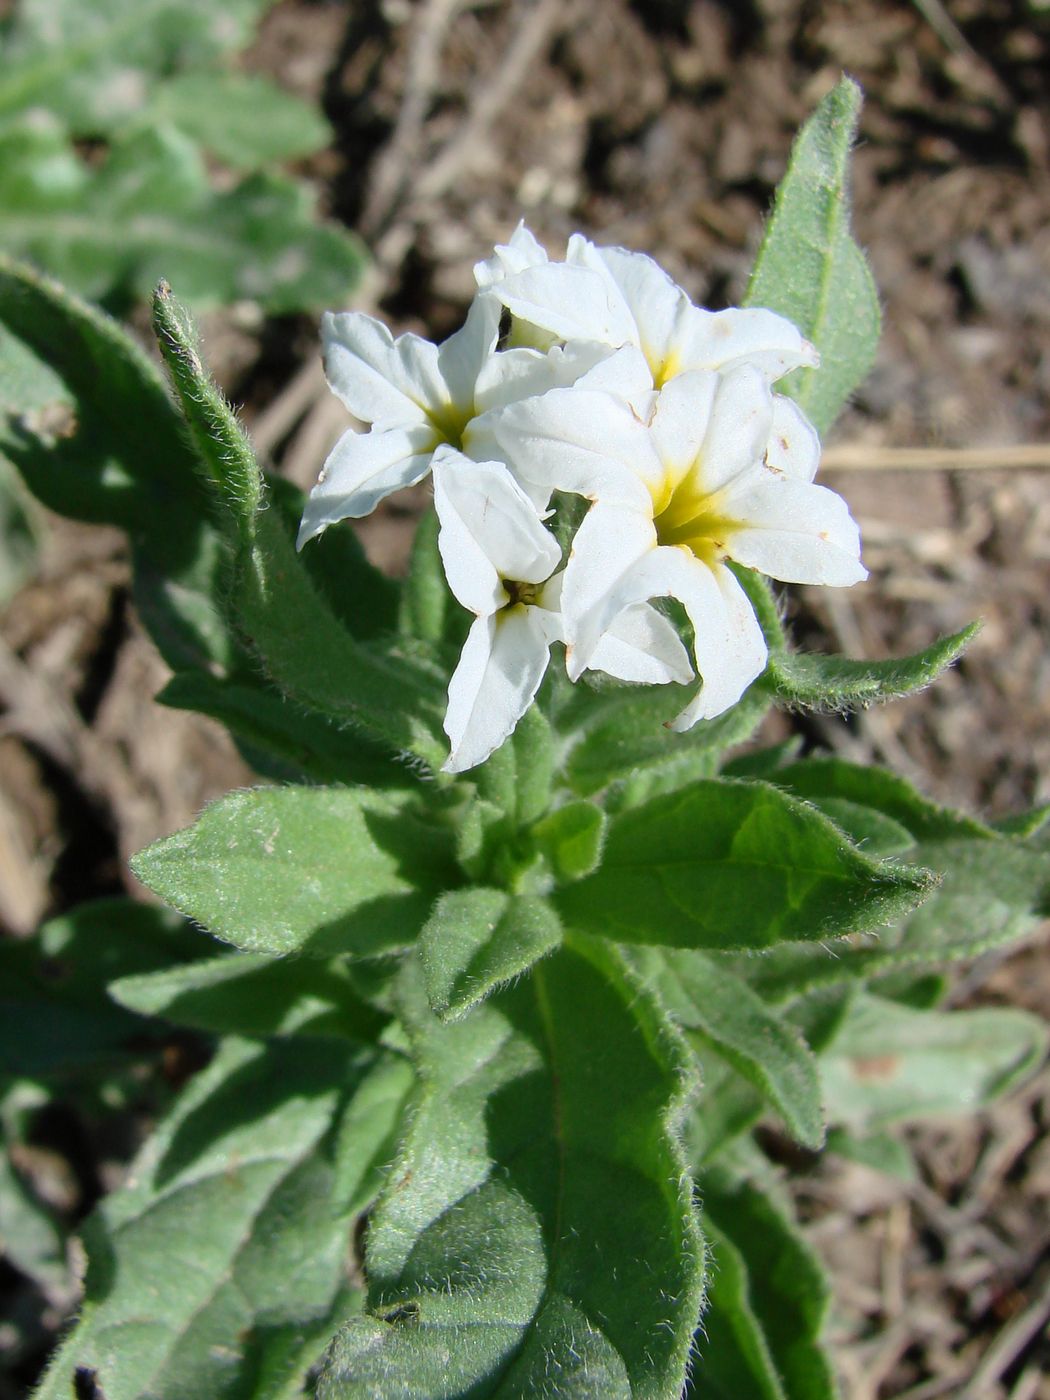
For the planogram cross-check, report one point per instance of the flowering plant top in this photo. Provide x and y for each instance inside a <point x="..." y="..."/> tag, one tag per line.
<point x="593" y="377"/>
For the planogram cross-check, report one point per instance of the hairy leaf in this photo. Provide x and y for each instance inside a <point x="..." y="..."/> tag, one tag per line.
<point x="220" y="1266"/>
<point x="768" y="1300"/>
<point x="728" y="864"/>
<point x="537" y="1234"/>
<point x="722" y="1009"/>
<point x="809" y="268"/>
<point x="477" y="939"/>
<point x="304" y="870"/>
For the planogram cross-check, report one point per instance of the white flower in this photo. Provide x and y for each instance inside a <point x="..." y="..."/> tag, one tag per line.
<point x="714" y="467"/>
<point x="501" y="564"/>
<point x="417" y="396"/>
<point x="619" y="298"/>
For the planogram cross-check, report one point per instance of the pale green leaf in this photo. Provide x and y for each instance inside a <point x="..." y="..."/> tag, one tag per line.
<point x="722" y="1009"/>
<point x="809" y="268"/>
<point x="571" y="838"/>
<point x="890" y="1063"/>
<point x="477" y="939"/>
<point x="244" y="119"/>
<point x="220" y="1266"/>
<point x="304" y="870"/>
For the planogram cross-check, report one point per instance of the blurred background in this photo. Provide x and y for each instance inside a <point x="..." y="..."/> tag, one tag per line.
<point x="275" y="159"/>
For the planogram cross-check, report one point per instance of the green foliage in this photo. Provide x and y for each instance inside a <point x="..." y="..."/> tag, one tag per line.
<point x="767" y="1302"/>
<point x="724" y="1013"/>
<point x="221" y="1262"/>
<point x="478" y="939"/>
<point x="147" y="79"/>
<point x="890" y="1063"/>
<point x="734" y="865"/>
<point x="505" y="1270"/>
<point x="55" y="1019"/>
<point x="810" y="269"/>
<point x="304" y="870"/>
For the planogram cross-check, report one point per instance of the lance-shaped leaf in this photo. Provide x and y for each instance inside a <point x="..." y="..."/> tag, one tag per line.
<point x="890" y="1063"/>
<point x="304" y="870"/>
<point x="220" y="1267"/>
<point x="253" y="995"/>
<point x="767" y="1301"/>
<point x="304" y="647"/>
<point x="537" y="1234"/>
<point x="840" y="682"/>
<point x="993" y="888"/>
<point x="729" y="864"/>
<point x="810" y="269"/>
<point x="243" y="118"/>
<point x="477" y="939"/>
<point x="737" y="1024"/>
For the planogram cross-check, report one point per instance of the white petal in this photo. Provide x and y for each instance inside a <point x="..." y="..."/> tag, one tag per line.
<point x="573" y="303"/>
<point x="682" y="418"/>
<point x="489" y="531"/>
<point x="724" y="340"/>
<point x="609" y="542"/>
<point x="521" y="252"/>
<point x="580" y="440"/>
<point x="793" y="446"/>
<point x="464" y="354"/>
<point x="361" y="469"/>
<point x="381" y="380"/>
<point x="624" y="371"/>
<point x="642" y="646"/>
<point x="499" y="673"/>
<point x="511" y="375"/>
<point x="728" y="646"/>
<point x="655" y="302"/>
<point x="795" y="532"/>
<point x="738" y="429"/>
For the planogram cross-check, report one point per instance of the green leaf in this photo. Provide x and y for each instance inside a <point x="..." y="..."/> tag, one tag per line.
<point x="31" y="1240"/>
<point x="992" y="891"/>
<point x="838" y="682"/>
<point x="571" y="838"/>
<point x="21" y="526"/>
<point x="810" y="270"/>
<point x="728" y="864"/>
<point x="620" y="735"/>
<point x="890" y="1063"/>
<point x="55" y="1018"/>
<point x="280" y="740"/>
<point x="304" y="870"/>
<point x="519" y="776"/>
<point x="722" y="1009"/>
<point x="397" y="699"/>
<point x="252" y="995"/>
<point x="219" y="1268"/>
<point x="882" y="1152"/>
<point x="768" y="1300"/>
<point x="244" y="119"/>
<point x="475" y="940"/>
<point x="537" y="1234"/>
<point x="726" y="1107"/>
<point x="148" y="212"/>
<point x="425" y="605"/>
<point x="96" y="62"/>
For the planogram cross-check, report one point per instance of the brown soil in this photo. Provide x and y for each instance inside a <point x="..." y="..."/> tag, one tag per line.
<point x="664" y="125"/>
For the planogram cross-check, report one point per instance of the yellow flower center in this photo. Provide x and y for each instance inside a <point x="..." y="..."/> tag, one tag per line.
<point x="449" y="421"/>
<point x="688" y="516"/>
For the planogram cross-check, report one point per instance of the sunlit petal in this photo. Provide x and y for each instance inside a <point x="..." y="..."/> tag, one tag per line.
<point x="381" y="380"/>
<point x="361" y="470"/>
<point x="642" y="646"/>
<point x="795" y="532"/>
<point x="499" y="672"/>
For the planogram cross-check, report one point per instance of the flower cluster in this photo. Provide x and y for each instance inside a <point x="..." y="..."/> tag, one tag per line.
<point x="595" y="376"/>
